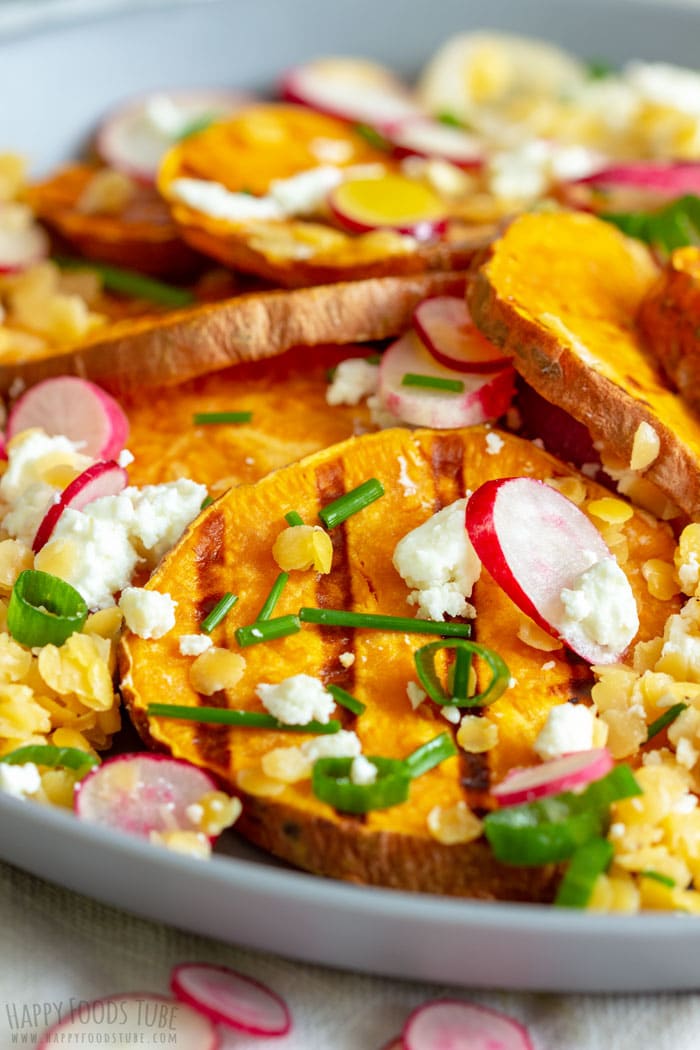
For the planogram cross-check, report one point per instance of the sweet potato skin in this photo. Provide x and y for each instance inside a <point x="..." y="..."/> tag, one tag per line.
<point x="229" y="547"/>
<point x="561" y="293"/>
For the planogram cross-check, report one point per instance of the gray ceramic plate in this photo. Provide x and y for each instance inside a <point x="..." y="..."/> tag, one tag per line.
<point x="60" y="80"/>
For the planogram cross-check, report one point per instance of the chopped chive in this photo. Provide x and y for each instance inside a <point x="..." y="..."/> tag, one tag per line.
<point x="372" y="136"/>
<point x="205" y="418"/>
<point x="658" y="876"/>
<point x="430" y="754"/>
<point x="665" y="720"/>
<point x="599" y="69"/>
<point x="267" y="630"/>
<point x="292" y="518"/>
<point x="194" y="126"/>
<point x="345" y="699"/>
<point x="130" y="282"/>
<point x="456" y="386"/>
<point x="50" y="755"/>
<point x="374" y="359"/>
<point x="345" y="506"/>
<point x="250" y="719"/>
<point x="446" y="117"/>
<point x="206" y="502"/>
<point x="273" y="597"/>
<point x="379" y="622"/>
<point x="460" y="677"/>
<point x="222" y="607"/>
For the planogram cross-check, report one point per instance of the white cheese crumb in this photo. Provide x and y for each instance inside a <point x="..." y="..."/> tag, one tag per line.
<point x="415" y="694"/>
<point x="344" y="744"/>
<point x="27" y="456"/>
<point x="362" y="771"/>
<point x="296" y="700"/>
<point x="305" y="193"/>
<point x="149" y="614"/>
<point x="125" y="458"/>
<point x="569" y="727"/>
<point x="19" y="781"/>
<point x="494" y="443"/>
<point x="354" y="379"/>
<point x="601" y="604"/>
<point x="347" y="659"/>
<point x="194" y="644"/>
<point x="439" y="563"/>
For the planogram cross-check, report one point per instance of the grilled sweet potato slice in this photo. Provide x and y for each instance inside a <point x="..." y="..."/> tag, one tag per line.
<point x="173" y="347"/>
<point x="141" y="235"/>
<point x="275" y="141"/>
<point x="561" y="293"/>
<point x="669" y="320"/>
<point x="229" y="547"/>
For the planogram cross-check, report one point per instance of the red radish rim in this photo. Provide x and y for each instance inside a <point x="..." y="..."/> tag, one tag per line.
<point x="39" y="247"/>
<point x="545" y="781"/>
<point x="485" y="366"/>
<point x="47" y="1040"/>
<point x="658" y="176"/>
<point x="397" y="132"/>
<point x="67" y="498"/>
<point x="292" y="91"/>
<point x="520" y="1032"/>
<point x="185" y="995"/>
<point x="420" y="230"/>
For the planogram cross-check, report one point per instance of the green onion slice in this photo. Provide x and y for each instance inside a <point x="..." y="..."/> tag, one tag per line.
<point x="351" y="502"/>
<point x="248" y="719"/>
<point x="658" y="876"/>
<point x="345" y="699"/>
<point x="206" y="502"/>
<point x="44" y="610"/>
<point x="220" y="610"/>
<point x="588" y="862"/>
<point x="429" y="755"/>
<point x="49" y="755"/>
<point x="665" y="719"/>
<point x="455" y="386"/>
<point x="330" y="782"/>
<point x="425" y="666"/>
<point x="372" y="136"/>
<point x="130" y="282"/>
<point x="460" y="673"/>
<point x="292" y="518"/>
<point x="273" y="597"/>
<point x="379" y="622"/>
<point x="552" y="829"/>
<point x="207" y="418"/>
<point x="267" y="630"/>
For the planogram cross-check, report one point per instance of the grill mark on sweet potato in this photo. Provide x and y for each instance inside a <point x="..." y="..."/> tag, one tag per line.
<point x="212" y="741"/>
<point x="334" y="589"/>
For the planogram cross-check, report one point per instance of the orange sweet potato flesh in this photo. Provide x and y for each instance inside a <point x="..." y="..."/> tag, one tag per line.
<point x="561" y="292"/>
<point x="142" y="236"/>
<point x="229" y="548"/>
<point x="277" y="141"/>
<point x="669" y="320"/>
<point x="170" y="348"/>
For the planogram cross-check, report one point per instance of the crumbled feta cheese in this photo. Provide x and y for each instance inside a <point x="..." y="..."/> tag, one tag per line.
<point x="107" y="560"/>
<point x="213" y="199"/>
<point x="162" y="513"/>
<point x="666" y="85"/>
<point x="19" y="781"/>
<point x="439" y="563"/>
<point x="494" y="443"/>
<point x="569" y="727"/>
<point x="25" y="516"/>
<point x="362" y="771"/>
<point x="415" y="694"/>
<point x="602" y="604"/>
<point x="344" y="744"/>
<point x="27" y="457"/>
<point x="297" y="700"/>
<point x="125" y="458"/>
<point x="305" y="193"/>
<point x="347" y="659"/>
<point x="194" y="644"/>
<point x="354" y="379"/>
<point x="149" y="614"/>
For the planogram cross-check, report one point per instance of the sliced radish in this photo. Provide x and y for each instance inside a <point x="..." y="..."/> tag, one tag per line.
<point x="445" y="327"/>
<point x="352" y="89"/>
<point x="135" y="1018"/>
<point x="424" y="137"/>
<point x="23" y="243"/>
<point x="105" y="478"/>
<point x="141" y="793"/>
<point x="228" y="998"/>
<point x="135" y="137"/>
<point x="554" y="564"/>
<point x="390" y="202"/>
<point x="484" y="397"/>
<point x="449" y="1024"/>
<point x="658" y="177"/>
<point x="77" y="408"/>
<point x="560" y="774"/>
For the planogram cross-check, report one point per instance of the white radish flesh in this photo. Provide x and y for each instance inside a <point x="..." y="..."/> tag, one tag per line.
<point x="484" y="397"/>
<point x="141" y="793"/>
<point x="23" y="243"/>
<point x="449" y="1024"/>
<point x="133" y="1019"/>
<point x="352" y="89"/>
<point x="135" y="137"/>
<point x="424" y="137"/>
<point x="228" y="998"/>
<point x="446" y="329"/>
<point x="537" y="545"/>
<point x="105" y="478"/>
<point x="76" y="408"/>
<point x="561" y="774"/>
